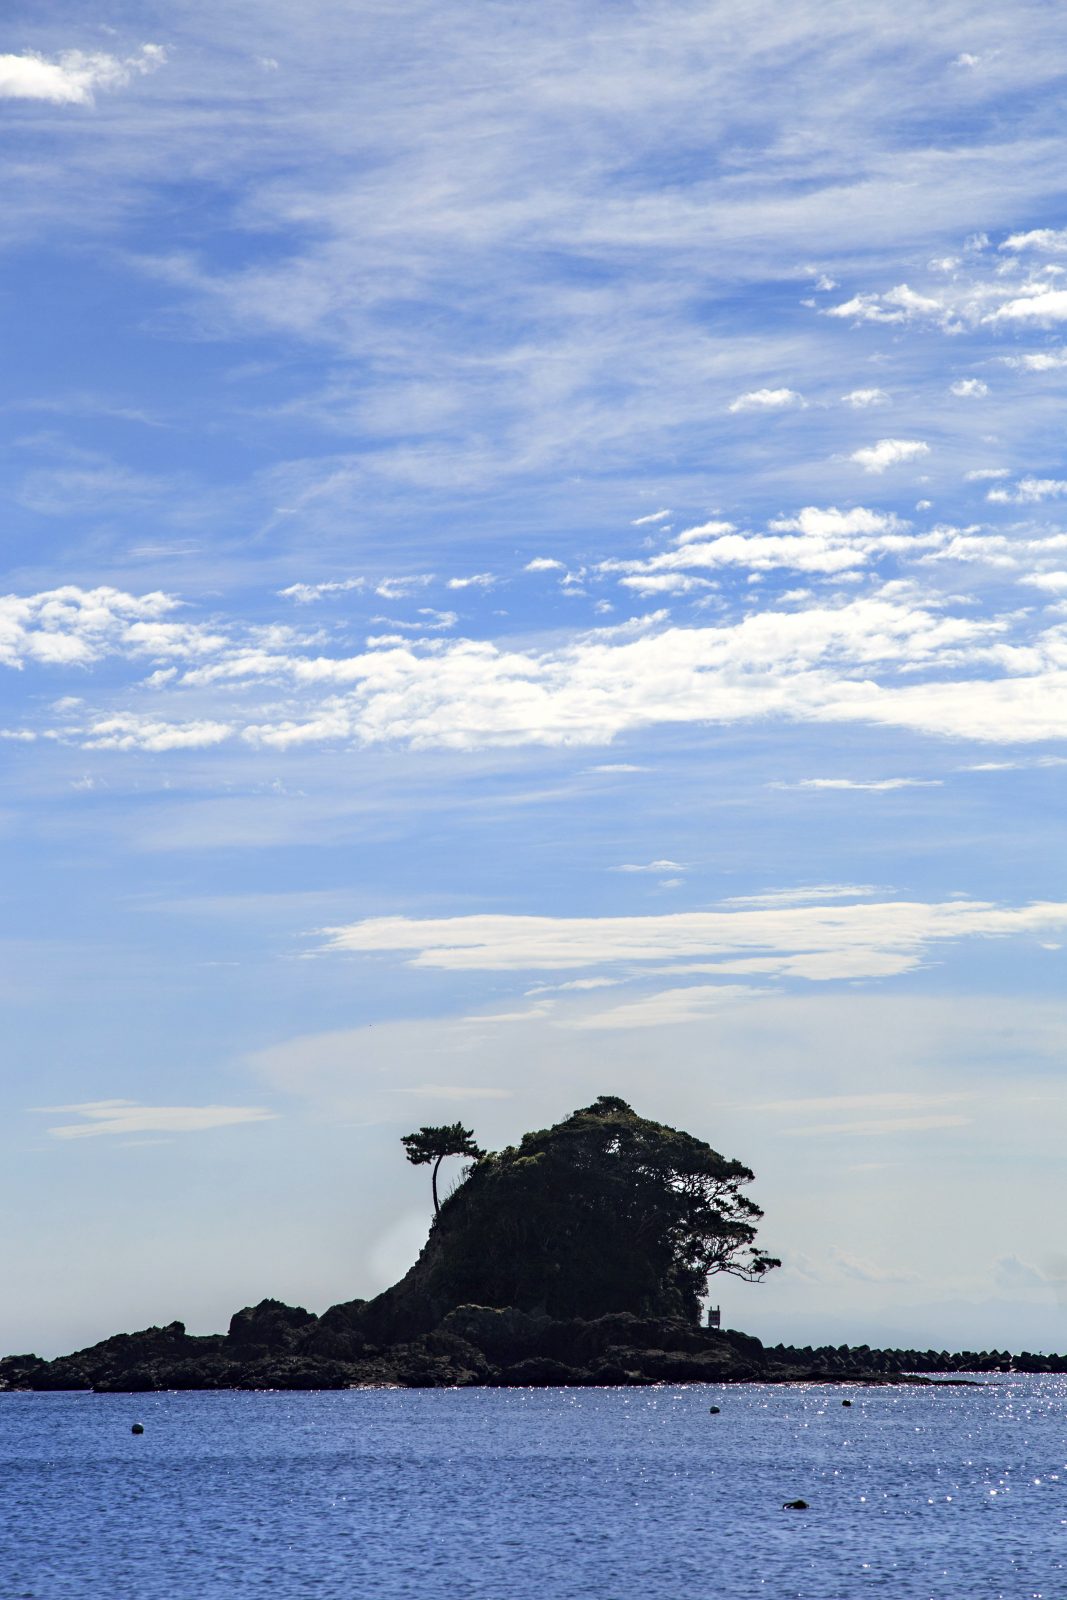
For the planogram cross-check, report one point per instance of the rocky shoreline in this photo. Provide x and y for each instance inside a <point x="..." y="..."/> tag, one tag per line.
<point x="275" y="1346"/>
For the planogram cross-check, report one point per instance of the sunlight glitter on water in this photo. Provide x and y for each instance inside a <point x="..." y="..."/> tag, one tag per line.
<point x="927" y="1494"/>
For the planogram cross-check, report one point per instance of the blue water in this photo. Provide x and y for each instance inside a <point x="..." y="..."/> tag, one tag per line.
<point x="539" y="1494"/>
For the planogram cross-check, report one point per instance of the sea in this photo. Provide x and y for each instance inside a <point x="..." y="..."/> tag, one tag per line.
<point x="539" y="1494"/>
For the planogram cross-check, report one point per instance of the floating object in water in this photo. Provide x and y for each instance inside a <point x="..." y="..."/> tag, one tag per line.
<point x="138" y="1427"/>
<point x="794" y="1505"/>
<point x="714" y="1411"/>
<point x="846" y="1402"/>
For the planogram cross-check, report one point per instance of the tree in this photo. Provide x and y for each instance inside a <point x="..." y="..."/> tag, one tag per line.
<point x="434" y="1144"/>
<point x="605" y="1212"/>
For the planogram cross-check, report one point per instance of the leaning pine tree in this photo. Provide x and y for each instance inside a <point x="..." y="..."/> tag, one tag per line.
<point x="434" y="1144"/>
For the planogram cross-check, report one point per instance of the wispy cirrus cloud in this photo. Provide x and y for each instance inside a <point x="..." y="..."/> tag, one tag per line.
<point x="125" y="1118"/>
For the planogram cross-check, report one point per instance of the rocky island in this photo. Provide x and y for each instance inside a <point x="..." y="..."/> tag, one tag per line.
<point x="578" y="1257"/>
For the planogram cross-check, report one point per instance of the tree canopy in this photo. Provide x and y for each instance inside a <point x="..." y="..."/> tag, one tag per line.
<point x="606" y="1211"/>
<point x="434" y="1144"/>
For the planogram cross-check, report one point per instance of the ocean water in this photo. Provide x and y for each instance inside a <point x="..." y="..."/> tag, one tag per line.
<point x="549" y="1494"/>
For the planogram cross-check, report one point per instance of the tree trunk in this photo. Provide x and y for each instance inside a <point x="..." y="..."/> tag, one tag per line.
<point x="436" y="1202"/>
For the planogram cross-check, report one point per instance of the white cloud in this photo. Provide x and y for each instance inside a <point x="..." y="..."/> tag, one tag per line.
<point x="1040" y="305"/>
<point x="877" y="785"/>
<point x="70" y="626"/>
<point x="983" y="474"/>
<point x="664" y="583"/>
<point x="819" y="664"/>
<point x="543" y="564"/>
<point x="400" y="588"/>
<point x="1029" y="491"/>
<point x="818" y="943"/>
<point x="969" y="388"/>
<point x="889" y="453"/>
<point x="814" y="894"/>
<point x="766" y="400"/>
<point x="832" y="541"/>
<point x="130" y="732"/>
<point x="306" y="593"/>
<point x="863" y="399"/>
<point x="477" y="580"/>
<point x="1049" y="240"/>
<point x="124" y="1117"/>
<point x="896" y="305"/>
<point x="73" y="77"/>
<point x="667" y="1007"/>
<point x="1038" y="361"/>
<point x="652" y="866"/>
<point x="653" y="516"/>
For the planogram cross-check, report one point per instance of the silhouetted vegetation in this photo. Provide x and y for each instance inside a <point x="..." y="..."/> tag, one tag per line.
<point x="434" y="1144"/>
<point x="604" y="1212"/>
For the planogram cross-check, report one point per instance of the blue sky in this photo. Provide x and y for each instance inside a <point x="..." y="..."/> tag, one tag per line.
<point x="536" y="566"/>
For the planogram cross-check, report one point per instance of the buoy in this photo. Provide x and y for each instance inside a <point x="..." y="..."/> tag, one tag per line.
<point x="794" y="1505"/>
<point x="138" y="1427"/>
<point x="714" y="1410"/>
<point x="846" y="1402"/>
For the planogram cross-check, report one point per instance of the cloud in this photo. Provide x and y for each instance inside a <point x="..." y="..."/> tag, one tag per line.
<point x="817" y="943"/>
<point x="653" y="516"/>
<point x="878" y="1127"/>
<point x="1029" y="491"/>
<point x="401" y="588"/>
<point x="665" y="583"/>
<point x="814" y="894"/>
<point x="71" y="626"/>
<point x="74" y="76"/>
<point x="832" y="541"/>
<point x="653" y="866"/>
<point x="130" y="732"/>
<point x="896" y="305"/>
<point x="1037" y="361"/>
<point x="766" y="400"/>
<point x="1039" y="305"/>
<point x="477" y="580"/>
<point x="969" y="388"/>
<point x="543" y="564"/>
<point x="878" y="784"/>
<point x="306" y="593"/>
<point x="1054" y="582"/>
<point x="666" y="1008"/>
<point x="863" y="399"/>
<point x="124" y="1117"/>
<point x="818" y="664"/>
<point x="1051" y="241"/>
<point x="889" y="453"/>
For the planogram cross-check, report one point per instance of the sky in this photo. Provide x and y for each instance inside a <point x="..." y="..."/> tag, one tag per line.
<point x="535" y="549"/>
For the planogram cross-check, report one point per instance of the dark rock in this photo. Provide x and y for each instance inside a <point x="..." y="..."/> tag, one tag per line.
<point x="269" y="1326"/>
<point x="540" y="1372"/>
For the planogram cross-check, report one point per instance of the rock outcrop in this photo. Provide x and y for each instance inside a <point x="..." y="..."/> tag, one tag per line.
<point x="274" y="1346"/>
<point x="577" y="1257"/>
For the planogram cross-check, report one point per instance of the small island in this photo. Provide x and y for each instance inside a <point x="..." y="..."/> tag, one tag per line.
<point x="579" y="1256"/>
